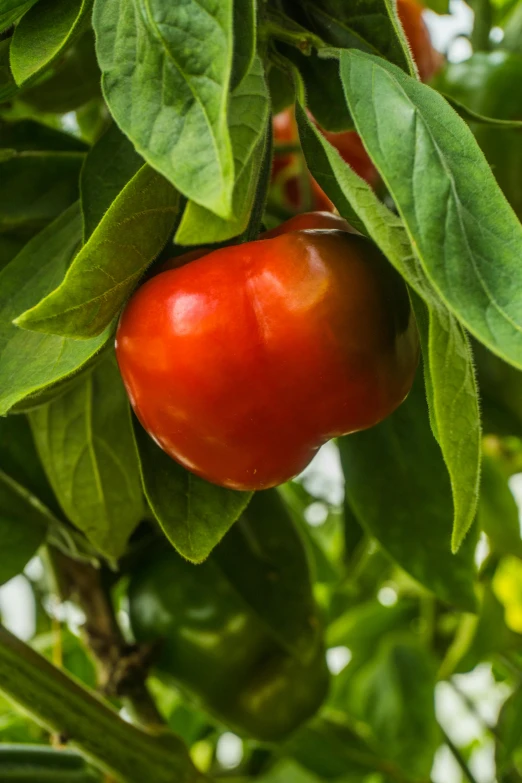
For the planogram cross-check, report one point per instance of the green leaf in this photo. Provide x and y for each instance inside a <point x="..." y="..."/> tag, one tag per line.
<point x="85" y="442"/>
<point x="11" y="10"/>
<point x="501" y="393"/>
<point x="105" y="271"/>
<point x="439" y="6"/>
<point x="263" y="557"/>
<point x="323" y="567"/>
<point x="484" y="85"/>
<point x="361" y="627"/>
<point x="288" y="771"/>
<point x="324" y="89"/>
<point x="36" y="187"/>
<point x="467" y="238"/>
<point x="23" y="526"/>
<point x="282" y="92"/>
<point x="174" y="61"/>
<point x="72" y="81"/>
<point x="8" y="86"/>
<point x="399" y="489"/>
<point x="454" y="410"/>
<point x="472" y="116"/>
<point x="20" y="461"/>
<point x="33" y="363"/>
<point x="10" y="246"/>
<point x="450" y="380"/>
<point x="498" y="512"/>
<point x="369" y="25"/>
<point x="193" y="514"/>
<point x="27" y="504"/>
<point x="394" y="695"/>
<point x="43" y="33"/>
<point x="244" y="39"/>
<point x="110" y="164"/>
<point x="331" y="749"/>
<point x="26" y="135"/>
<point x="485" y="636"/>
<point x="508" y="732"/>
<point x="94" y="120"/>
<point x="248" y="116"/>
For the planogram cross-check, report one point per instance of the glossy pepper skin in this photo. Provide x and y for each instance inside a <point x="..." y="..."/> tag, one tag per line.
<point x="485" y="83"/>
<point x="215" y="647"/>
<point x="241" y="364"/>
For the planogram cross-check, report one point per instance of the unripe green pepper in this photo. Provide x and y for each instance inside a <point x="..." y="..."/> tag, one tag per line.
<point x="488" y="84"/>
<point x="214" y="646"/>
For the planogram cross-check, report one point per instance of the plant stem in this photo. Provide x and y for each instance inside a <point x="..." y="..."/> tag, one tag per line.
<point x="61" y="704"/>
<point x="482" y="25"/>
<point x="122" y="667"/>
<point x="472" y="707"/>
<point x="458" y="757"/>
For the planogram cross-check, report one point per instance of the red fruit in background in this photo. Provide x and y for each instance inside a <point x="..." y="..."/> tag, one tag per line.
<point x="241" y="364"/>
<point x="427" y="58"/>
<point x="290" y="176"/>
<point x="287" y="169"/>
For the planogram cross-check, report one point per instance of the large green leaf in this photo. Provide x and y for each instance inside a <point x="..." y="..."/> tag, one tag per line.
<point x="85" y="442"/>
<point x="193" y="514"/>
<point x="35" y="187"/>
<point x="393" y="694"/>
<point x="11" y="10"/>
<point x="248" y="115"/>
<point x="166" y="70"/>
<point x="264" y="558"/>
<point x="448" y="367"/>
<point x="110" y="164"/>
<point x="466" y="236"/>
<point x="44" y="32"/>
<point x="105" y="271"/>
<point x="32" y="363"/>
<point x="399" y="489"/>
<point x="484" y="83"/>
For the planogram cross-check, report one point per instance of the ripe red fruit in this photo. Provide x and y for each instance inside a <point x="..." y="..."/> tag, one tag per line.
<point x="241" y="364"/>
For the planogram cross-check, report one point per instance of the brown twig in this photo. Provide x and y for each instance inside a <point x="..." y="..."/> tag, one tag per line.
<point x="122" y="668"/>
